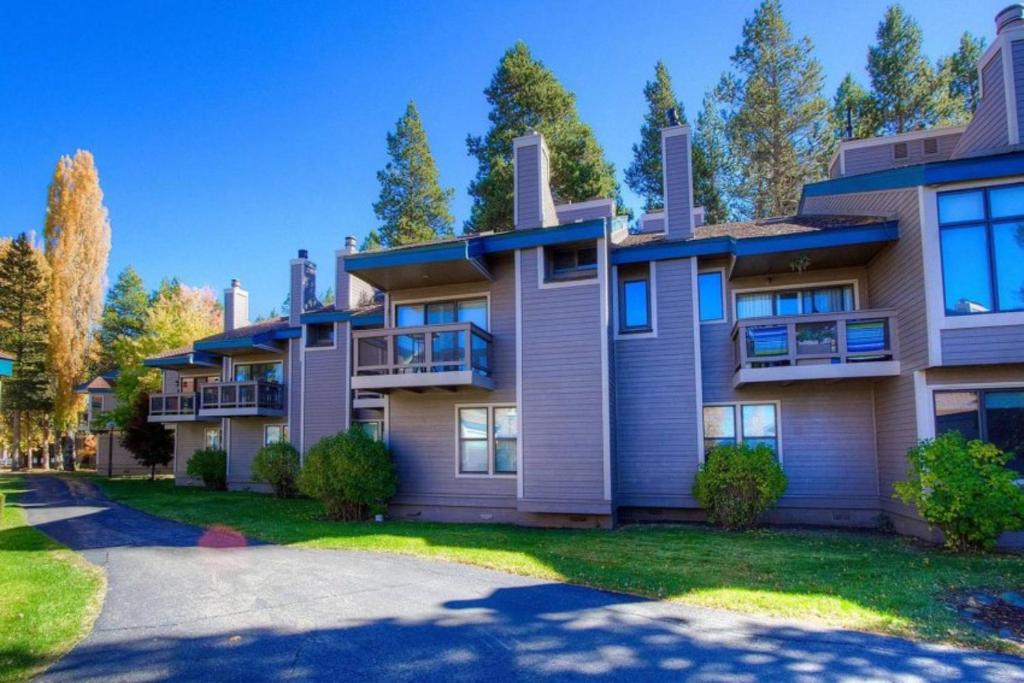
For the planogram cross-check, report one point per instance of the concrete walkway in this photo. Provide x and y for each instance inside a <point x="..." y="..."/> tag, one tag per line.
<point x="184" y="603"/>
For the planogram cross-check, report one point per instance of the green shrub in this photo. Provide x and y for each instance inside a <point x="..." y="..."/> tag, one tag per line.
<point x="738" y="483"/>
<point x="277" y="464"/>
<point x="350" y="473"/>
<point x="965" y="489"/>
<point x="210" y="465"/>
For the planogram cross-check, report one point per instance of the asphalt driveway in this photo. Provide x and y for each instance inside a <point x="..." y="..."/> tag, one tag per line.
<point x="185" y="603"/>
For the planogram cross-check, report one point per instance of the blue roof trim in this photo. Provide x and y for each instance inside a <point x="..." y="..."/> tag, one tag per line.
<point x="428" y="253"/>
<point x="752" y="246"/>
<point x="935" y="173"/>
<point x="325" y="317"/>
<point x="369" y="320"/>
<point x="539" y="237"/>
<point x="182" y="359"/>
<point x="288" y="333"/>
<point x="6" y="367"/>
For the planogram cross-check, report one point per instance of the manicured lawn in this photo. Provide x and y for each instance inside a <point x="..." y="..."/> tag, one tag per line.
<point x="860" y="581"/>
<point x="49" y="596"/>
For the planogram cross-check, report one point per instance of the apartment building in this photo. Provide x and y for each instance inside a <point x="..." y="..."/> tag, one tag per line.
<point x="570" y="372"/>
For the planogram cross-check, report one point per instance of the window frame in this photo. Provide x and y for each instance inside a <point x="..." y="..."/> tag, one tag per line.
<point x="906" y="151"/>
<point x="740" y="437"/>
<point x="980" y="392"/>
<point x="586" y="275"/>
<point x="988" y="223"/>
<point x="284" y="433"/>
<point x="725" y="297"/>
<point x="491" y="439"/>
<point x="235" y="366"/>
<point x="924" y="146"/>
<point x="319" y="347"/>
<point x="803" y="287"/>
<point x="220" y="438"/>
<point x="380" y="427"/>
<point x="624" y="328"/>
<point x="395" y="305"/>
<point x="618" y="312"/>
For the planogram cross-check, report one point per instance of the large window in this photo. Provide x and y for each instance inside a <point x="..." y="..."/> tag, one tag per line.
<point x="264" y="372"/>
<point x="571" y="262"/>
<point x="833" y="299"/>
<point x="442" y="312"/>
<point x="982" y="239"/>
<point x="274" y="434"/>
<point x="635" y="303"/>
<point x="753" y="423"/>
<point x="993" y="415"/>
<point x="712" y="304"/>
<point x="211" y="438"/>
<point x="488" y="440"/>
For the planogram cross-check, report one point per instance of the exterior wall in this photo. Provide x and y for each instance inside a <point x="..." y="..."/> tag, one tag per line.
<point x="124" y="462"/>
<point x="188" y="438"/>
<point x="562" y="411"/>
<point x="325" y="382"/>
<point x="243" y="436"/>
<point x="422" y="426"/>
<point x="656" y="394"/>
<point x="527" y="189"/>
<point x="879" y="157"/>
<point x="971" y="346"/>
<point x="675" y="144"/>
<point x="585" y="211"/>
<point x="988" y="129"/>
<point x="1017" y="50"/>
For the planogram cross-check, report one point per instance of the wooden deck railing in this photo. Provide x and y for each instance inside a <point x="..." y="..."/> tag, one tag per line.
<point x="172" y="404"/>
<point x="251" y="394"/>
<point x="453" y="347"/>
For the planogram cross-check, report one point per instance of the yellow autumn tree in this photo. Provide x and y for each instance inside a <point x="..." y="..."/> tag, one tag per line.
<point x="77" y="237"/>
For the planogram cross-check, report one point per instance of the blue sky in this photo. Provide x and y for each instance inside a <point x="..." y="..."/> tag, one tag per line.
<point x="228" y="135"/>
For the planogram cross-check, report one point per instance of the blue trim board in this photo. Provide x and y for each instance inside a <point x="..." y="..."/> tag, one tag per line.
<point x="368" y="320"/>
<point x="935" y="173"/>
<point x="752" y="246"/>
<point x="193" y="358"/>
<point x="539" y="237"/>
<point x="358" y="319"/>
<point x="6" y="367"/>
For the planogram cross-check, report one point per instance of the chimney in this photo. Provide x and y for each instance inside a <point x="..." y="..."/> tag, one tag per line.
<point x="349" y="291"/>
<point x="302" y="292"/>
<point x="1010" y="18"/>
<point x="533" y="205"/>
<point x="350" y="244"/>
<point x="678" y="179"/>
<point x="236" y="306"/>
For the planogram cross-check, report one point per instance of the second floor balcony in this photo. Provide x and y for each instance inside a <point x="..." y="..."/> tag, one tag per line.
<point x="820" y="346"/>
<point x="223" y="399"/>
<point x="445" y="356"/>
<point x="173" y="407"/>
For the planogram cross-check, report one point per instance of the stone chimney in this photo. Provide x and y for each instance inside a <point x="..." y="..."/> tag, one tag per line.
<point x="302" y="292"/>
<point x="533" y="205"/>
<point x="677" y="178"/>
<point x="236" y="306"/>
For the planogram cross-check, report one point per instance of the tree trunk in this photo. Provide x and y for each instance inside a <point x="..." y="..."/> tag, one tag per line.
<point x="16" y="434"/>
<point x="70" y="462"/>
<point x="46" y="448"/>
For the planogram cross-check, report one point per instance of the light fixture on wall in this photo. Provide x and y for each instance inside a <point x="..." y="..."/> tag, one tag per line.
<point x="800" y="263"/>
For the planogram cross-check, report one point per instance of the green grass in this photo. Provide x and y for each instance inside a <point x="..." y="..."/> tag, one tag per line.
<point x="860" y="581"/>
<point x="49" y="596"/>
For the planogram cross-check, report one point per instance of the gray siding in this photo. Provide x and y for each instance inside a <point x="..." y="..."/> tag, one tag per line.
<point x="678" y="202"/>
<point x="189" y="437"/>
<point x="422" y="426"/>
<point x="988" y="129"/>
<point x="983" y="345"/>
<point x="657" y="452"/>
<point x="293" y="389"/>
<point x="325" y="385"/>
<point x="562" y="416"/>
<point x="571" y="213"/>
<point x="896" y="278"/>
<point x="527" y="189"/>
<point x="244" y="439"/>
<point x="1018" y="80"/>
<point x="878" y="157"/>
<point x="124" y="461"/>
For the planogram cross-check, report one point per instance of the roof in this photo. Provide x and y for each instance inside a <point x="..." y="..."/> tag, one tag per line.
<point x="6" y="356"/>
<point x="360" y="316"/>
<point x="101" y="384"/>
<point x="170" y="353"/>
<point x="760" y="227"/>
<point x="261" y="327"/>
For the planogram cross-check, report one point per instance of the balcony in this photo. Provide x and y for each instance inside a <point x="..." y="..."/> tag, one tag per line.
<point x="820" y="346"/>
<point x="179" y="407"/>
<point x="416" y="358"/>
<point x="240" y="399"/>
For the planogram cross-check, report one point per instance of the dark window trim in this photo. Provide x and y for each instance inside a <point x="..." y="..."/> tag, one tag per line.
<point x="577" y="272"/>
<point x="635" y="329"/>
<point x="987" y="222"/>
<point x="723" y="296"/>
<point x="981" y="393"/>
<point x="491" y="440"/>
<point x="320" y="344"/>
<point x="906" y="151"/>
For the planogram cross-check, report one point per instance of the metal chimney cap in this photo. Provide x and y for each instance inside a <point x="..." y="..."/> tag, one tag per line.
<point x="672" y="116"/>
<point x="235" y="283"/>
<point x="303" y="253"/>
<point x="1008" y="15"/>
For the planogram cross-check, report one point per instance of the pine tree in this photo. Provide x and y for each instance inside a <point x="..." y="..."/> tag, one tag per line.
<point x="644" y="175"/>
<point x="413" y="207"/>
<point x="777" y="121"/>
<point x="372" y="242"/>
<point x="904" y="88"/>
<point x="711" y="150"/>
<point x="150" y="443"/>
<point x="959" y="72"/>
<point x="77" y="235"/>
<point x="23" y="333"/>
<point x="524" y="96"/>
<point x="124" y="315"/>
<point x="852" y="98"/>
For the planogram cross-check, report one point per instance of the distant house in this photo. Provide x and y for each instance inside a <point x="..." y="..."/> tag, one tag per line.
<point x="568" y="372"/>
<point x="6" y="364"/>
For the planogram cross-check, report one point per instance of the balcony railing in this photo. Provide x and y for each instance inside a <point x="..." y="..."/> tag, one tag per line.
<point x="255" y="397"/>
<point x="178" y="407"/>
<point x="449" y="355"/>
<point x="816" y="346"/>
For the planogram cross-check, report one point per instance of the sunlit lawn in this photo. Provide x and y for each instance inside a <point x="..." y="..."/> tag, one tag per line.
<point x="48" y="595"/>
<point x="861" y="581"/>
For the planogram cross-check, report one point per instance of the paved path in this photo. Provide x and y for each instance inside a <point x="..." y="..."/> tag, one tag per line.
<point x="179" y="607"/>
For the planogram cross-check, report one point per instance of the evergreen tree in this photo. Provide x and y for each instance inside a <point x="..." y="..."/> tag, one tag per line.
<point x="124" y="315"/>
<point x="711" y="151"/>
<point x="372" y="242"/>
<point x="904" y="89"/>
<point x="959" y="72"/>
<point x="777" y="121"/>
<point x="644" y="175"/>
<point x="150" y="443"/>
<point x="524" y="96"/>
<point x="23" y="333"/>
<point x="413" y="207"/>
<point x="853" y="98"/>
<point x="77" y="236"/>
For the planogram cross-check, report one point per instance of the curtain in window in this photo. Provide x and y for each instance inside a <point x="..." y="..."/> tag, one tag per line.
<point x="754" y="305"/>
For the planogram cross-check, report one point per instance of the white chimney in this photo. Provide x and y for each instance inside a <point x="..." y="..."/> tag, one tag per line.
<point x="533" y="205"/>
<point x="677" y="178"/>
<point x="236" y="306"/>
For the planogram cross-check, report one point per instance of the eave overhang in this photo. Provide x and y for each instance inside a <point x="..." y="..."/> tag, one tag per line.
<point x="194" y="359"/>
<point x="269" y="342"/>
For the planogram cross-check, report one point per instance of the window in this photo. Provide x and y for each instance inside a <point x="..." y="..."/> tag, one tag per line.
<point x="634" y="304"/>
<point x="899" y="150"/>
<point x="188" y="385"/>
<point x="832" y="299"/>
<point x="96" y="403"/>
<point x="264" y="372"/>
<point x="274" y="434"/>
<point x="981" y="235"/>
<point x="442" y="312"/>
<point x="319" y="335"/>
<point x="211" y="438"/>
<point x="488" y="439"/>
<point x="372" y="428"/>
<point x="710" y="292"/>
<point x="931" y="146"/>
<point x="993" y="415"/>
<point x="757" y="424"/>
<point x="571" y="262"/>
